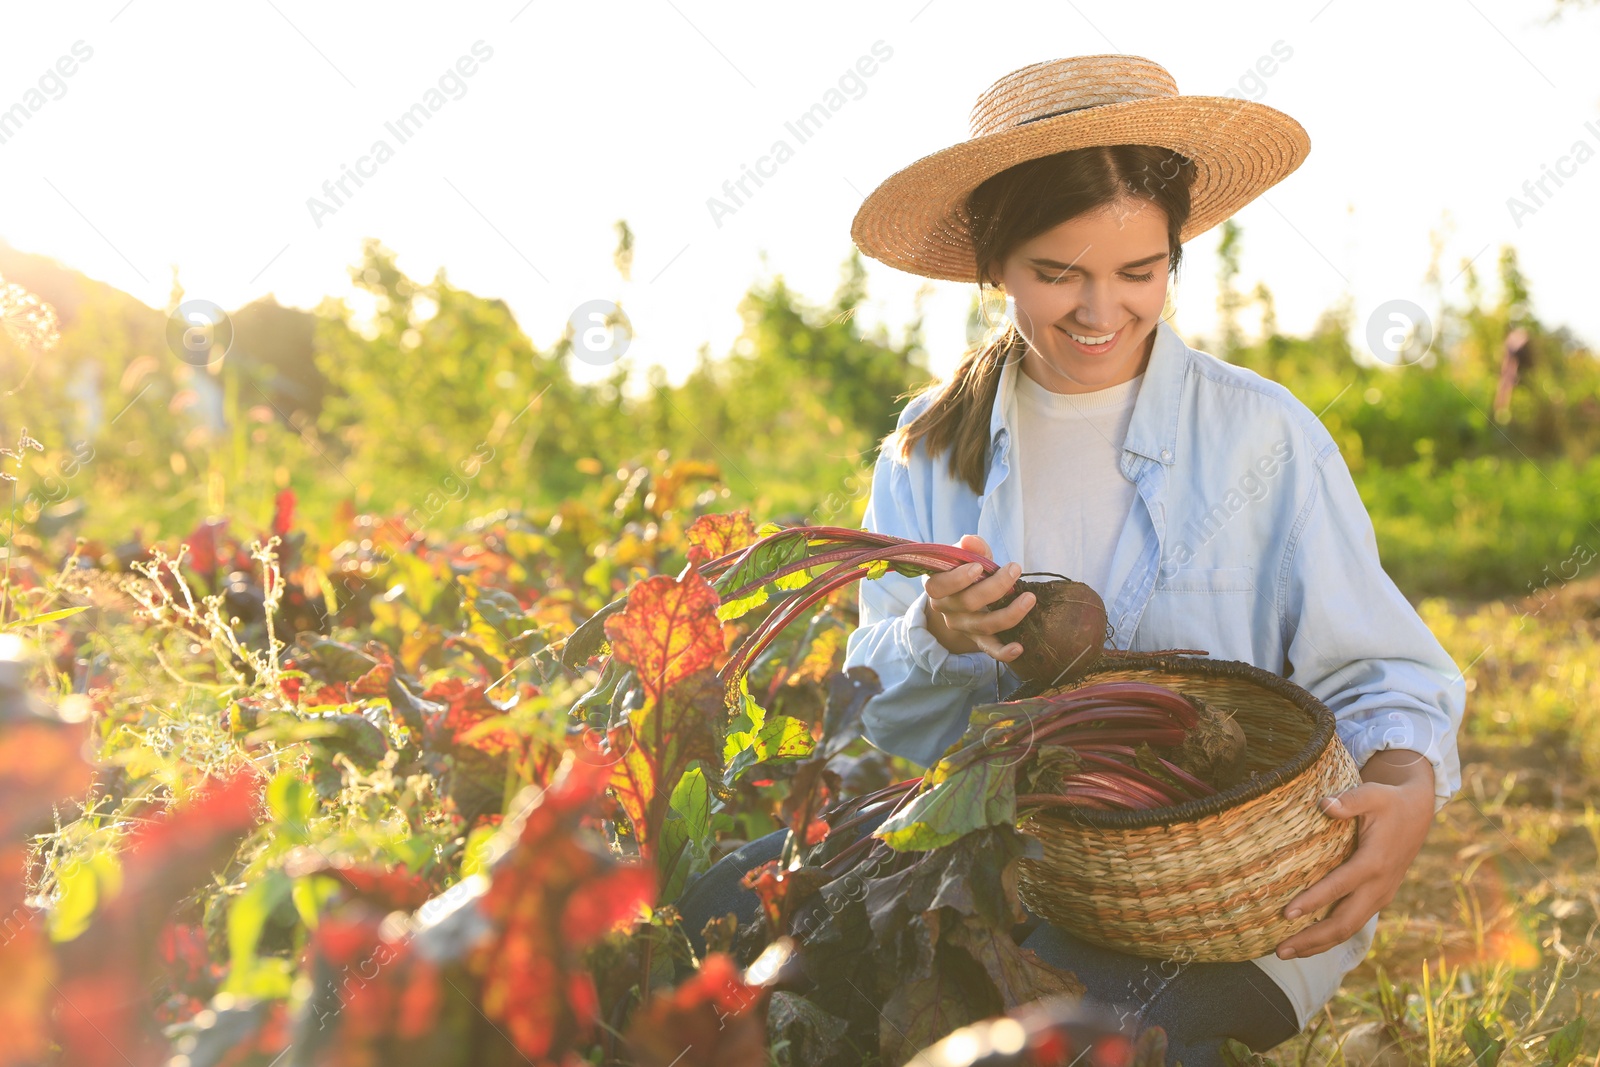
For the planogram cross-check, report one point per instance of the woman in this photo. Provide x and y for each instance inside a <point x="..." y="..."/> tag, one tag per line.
<point x="1207" y="506"/>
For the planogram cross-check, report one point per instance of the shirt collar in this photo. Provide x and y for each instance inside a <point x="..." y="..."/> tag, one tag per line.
<point x="1153" y="427"/>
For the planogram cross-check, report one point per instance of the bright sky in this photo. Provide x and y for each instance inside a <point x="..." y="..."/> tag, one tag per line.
<point x="194" y="134"/>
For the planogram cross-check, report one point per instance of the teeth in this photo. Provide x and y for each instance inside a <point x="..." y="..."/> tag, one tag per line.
<point x="1091" y="340"/>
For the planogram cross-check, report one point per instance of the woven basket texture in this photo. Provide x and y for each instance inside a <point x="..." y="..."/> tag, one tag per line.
<point x="1206" y="880"/>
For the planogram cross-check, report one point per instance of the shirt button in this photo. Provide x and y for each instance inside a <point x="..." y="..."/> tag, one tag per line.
<point x="1166" y="454"/>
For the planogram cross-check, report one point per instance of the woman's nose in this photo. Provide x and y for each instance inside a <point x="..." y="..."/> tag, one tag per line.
<point x="1095" y="311"/>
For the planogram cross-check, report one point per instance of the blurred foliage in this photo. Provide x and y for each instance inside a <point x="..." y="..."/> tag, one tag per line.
<point x="1463" y="502"/>
<point x="431" y="404"/>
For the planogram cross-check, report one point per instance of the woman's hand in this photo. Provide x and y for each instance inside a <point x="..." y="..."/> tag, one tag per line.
<point x="1395" y="804"/>
<point x="958" y="602"/>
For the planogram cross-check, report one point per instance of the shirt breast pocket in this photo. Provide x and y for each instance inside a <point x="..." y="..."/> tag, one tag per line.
<point x="1213" y="609"/>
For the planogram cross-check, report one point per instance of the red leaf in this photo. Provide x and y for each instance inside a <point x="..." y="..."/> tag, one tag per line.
<point x="375" y="683"/>
<point x="205" y="546"/>
<point x="391" y="888"/>
<point x="467" y="703"/>
<point x="41" y="765"/>
<point x="368" y="989"/>
<point x="216" y="815"/>
<point x="182" y="948"/>
<point x="283" y="512"/>
<point x="715" y="1017"/>
<point x="711" y="536"/>
<point x="658" y="742"/>
<point x="668" y="631"/>
<point x="554" y="893"/>
<point x="607" y="904"/>
<point x="25" y="993"/>
<point x="103" y="1010"/>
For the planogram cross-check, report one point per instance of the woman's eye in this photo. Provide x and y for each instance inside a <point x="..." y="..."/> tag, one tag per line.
<point x="1053" y="278"/>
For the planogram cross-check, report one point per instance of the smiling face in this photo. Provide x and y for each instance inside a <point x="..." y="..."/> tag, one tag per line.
<point x="1100" y="275"/>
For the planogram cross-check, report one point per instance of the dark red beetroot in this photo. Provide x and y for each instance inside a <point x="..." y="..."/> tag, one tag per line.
<point x="1214" y="750"/>
<point x="1062" y="636"/>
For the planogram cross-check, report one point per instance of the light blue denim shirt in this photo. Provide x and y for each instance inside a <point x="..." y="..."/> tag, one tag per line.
<point x="1247" y="538"/>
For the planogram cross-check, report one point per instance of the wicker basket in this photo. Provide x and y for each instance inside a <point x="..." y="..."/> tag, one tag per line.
<point x="1206" y="880"/>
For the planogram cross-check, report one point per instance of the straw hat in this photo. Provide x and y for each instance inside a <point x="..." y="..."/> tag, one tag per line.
<point x="916" y="219"/>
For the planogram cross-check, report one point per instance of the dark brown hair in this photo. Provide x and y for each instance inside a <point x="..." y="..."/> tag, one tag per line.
<point x="1008" y="209"/>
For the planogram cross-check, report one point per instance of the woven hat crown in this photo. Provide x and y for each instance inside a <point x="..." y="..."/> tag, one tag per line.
<point x="916" y="219"/>
<point x="1045" y="90"/>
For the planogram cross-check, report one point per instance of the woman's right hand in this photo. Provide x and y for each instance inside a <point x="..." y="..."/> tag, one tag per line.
<point x="958" y="601"/>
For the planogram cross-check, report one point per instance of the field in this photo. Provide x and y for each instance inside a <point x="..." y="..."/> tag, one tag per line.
<point x="311" y="784"/>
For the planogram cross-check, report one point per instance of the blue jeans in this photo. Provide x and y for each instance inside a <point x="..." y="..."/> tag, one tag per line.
<point x="1199" y="1005"/>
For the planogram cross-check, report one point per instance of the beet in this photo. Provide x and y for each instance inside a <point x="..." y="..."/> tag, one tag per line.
<point x="1215" y="750"/>
<point x="1062" y="636"/>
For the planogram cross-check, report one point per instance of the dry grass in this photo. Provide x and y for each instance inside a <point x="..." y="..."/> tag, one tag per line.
<point x="1499" y="919"/>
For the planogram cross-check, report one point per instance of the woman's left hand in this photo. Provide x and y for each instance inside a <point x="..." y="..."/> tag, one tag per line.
<point x="1395" y="805"/>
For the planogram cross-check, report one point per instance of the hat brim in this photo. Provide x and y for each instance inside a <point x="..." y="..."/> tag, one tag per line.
<point x="915" y="220"/>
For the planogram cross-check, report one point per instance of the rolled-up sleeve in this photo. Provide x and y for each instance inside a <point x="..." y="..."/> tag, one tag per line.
<point x="1357" y="644"/>
<point x="928" y="691"/>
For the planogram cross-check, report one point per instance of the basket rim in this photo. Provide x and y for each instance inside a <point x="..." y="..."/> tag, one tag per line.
<point x="1322" y="731"/>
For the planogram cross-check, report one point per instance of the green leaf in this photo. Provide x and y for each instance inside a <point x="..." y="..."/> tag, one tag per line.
<point x="500" y="610"/>
<point x="1566" y="1042"/>
<point x="589" y="639"/>
<point x="476" y="853"/>
<point x="309" y="895"/>
<point x="247" y="918"/>
<point x="293" y="803"/>
<point x="780" y="740"/>
<point x="975" y="876"/>
<point x="498" y="621"/>
<point x="1486" y="1049"/>
<point x="796" y="580"/>
<point x="686" y="835"/>
<point x="982" y="793"/>
<point x="422" y="584"/>
<point x="1236" y="1053"/>
<point x="84" y="884"/>
<point x="784" y="738"/>
<point x="742" y="733"/>
<point x="733" y="609"/>
<point x="770" y="557"/>
<point x="49" y="616"/>
<point x="691" y="800"/>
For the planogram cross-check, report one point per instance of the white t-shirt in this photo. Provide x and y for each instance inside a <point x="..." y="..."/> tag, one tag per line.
<point x="1075" y="501"/>
<point x="1075" y="497"/>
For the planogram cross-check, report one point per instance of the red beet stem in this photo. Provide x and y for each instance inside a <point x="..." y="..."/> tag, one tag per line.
<point x="752" y="646"/>
<point x="1123" y="694"/>
<point x="1199" y="785"/>
<point x="1089" y="734"/>
<point x="1126" y="717"/>
<point x="866" y="807"/>
<point x="1136" y="774"/>
<point x="1117" y="782"/>
<point x="840" y="543"/>
<point x="1077" y="795"/>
